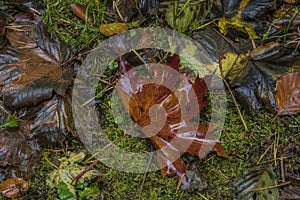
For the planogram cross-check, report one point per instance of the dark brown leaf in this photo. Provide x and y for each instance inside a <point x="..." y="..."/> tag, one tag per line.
<point x="13" y="187"/>
<point x="288" y="94"/>
<point x="32" y="68"/>
<point x="289" y="193"/>
<point x="80" y="11"/>
<point x="14" y="147"/>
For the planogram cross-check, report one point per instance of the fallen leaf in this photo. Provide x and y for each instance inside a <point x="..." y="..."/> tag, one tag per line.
<point x="289" y="193"/>
<point x="15" y="148"/>
<point x="81" y="12"/>
<point x="32" y="67"/>
<point x="254" y="183"/>
<point x="113" y="28"/>
<point x="288" y="94"/>
<point x="164" y="125"/>
<point x="68" y="169"/>
<point x="253" y="75"/>
<point x="13" y="187"/>
<point x="241" y="17"/>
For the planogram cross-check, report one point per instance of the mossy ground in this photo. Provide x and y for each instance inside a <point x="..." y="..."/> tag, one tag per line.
<point x="264" y="144"/>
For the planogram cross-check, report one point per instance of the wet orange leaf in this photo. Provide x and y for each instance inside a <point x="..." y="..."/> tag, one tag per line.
<point x="13" y="187"/>
<point x="165" y="114"/>
<point x="113" y="28"/>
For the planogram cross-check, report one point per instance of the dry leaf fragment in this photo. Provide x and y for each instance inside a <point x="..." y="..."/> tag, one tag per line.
<point x="113" y="28"/>
<point x="13" y="187"/>
<point x="80" y="11"/>
<point x="288" y="94"/>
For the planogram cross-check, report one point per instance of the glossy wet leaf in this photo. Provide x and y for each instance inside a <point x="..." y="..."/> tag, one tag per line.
<point x="81" y="12"/>
<point x="288" y="94"/>
<point x="113" y="28"/>
<point x="68" y="169"/>
<point x="254" y="183"/>
<point x="139" y="100"/>
<point x="253" y="76"/>
<point x="15" y="148"/>
<point x="53" y="120"/>
<point x="289" y="193"/>
<point x="241" y="16"/>
<point x="31" y="69"/>
<point x="13" y="187"/>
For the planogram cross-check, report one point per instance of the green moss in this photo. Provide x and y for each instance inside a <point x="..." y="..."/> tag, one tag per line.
<point x="269" y="137"/>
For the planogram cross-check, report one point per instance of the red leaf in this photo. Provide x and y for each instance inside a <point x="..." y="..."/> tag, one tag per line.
<point x="163" y="103"/>
<point x="288" y="94"/>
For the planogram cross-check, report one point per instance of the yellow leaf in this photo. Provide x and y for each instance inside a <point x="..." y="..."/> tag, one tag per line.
<point x="232" y="65"/>
<point x="113" y="28"/>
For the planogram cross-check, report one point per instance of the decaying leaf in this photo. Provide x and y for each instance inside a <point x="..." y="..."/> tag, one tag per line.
<point x="31" y="69"/>
<point x="288" y="94"/>
<point x="176" y="135"/>
<point x="15" y="148"/>
<point x="81" y="12"/>
<point x="253" y="75"/>
<point x="68" y="169"/>
<point x="289" y="193"/>
<point x="13" y="187"/>
<point x="113" y="28"/>
<point x="241" y="16"/>
<point x="254" y="183"/>
<point x="34" y="70"/>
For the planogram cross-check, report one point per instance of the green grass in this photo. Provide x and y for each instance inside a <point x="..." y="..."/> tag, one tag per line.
<point x="71" y="29"/>
<point x="246" y="149"/>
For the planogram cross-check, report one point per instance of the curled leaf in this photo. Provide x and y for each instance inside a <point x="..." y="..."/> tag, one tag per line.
<point x="113" y="28"/>
<point x="81" y="12"/>
<point x="13" y="187"/>
<point x="288" y="94"/>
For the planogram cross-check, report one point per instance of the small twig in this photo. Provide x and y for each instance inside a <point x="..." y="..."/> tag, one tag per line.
<point x="48" y="161"/>
<point x="266" y="188"/>
<point x="100" y="157"/>
<point x="201" y="195"/>
<point x="266" y="151"/>
<point x="237" y="106"/>
<point x="138" y="55"/>
<point x="4" y="110"/>
<point x="115" y="5"/>
<point x="144" y="178"/>
<point x="180" y="182"/>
